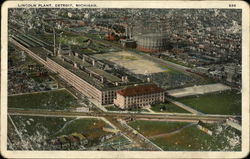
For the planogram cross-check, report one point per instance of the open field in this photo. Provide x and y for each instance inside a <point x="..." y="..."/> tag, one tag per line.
<point x="38" y="132"/>
<point x="133" y="62"/>
<point x="178" y="136"/>
<point x="167" y="108"/>
<point x="57" y="99"/>
<point x="227" y="102"/>
<point x="151" y="128"/>
<point x="193" y="139"/>
<point x="195" y="90"/>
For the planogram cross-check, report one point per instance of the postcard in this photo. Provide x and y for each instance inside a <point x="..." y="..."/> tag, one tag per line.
<point x="123" y="79"/>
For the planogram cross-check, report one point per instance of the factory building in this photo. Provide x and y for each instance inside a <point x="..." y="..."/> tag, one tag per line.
<point x="141" y="95"/>
<point x="88" y="76"/>
<point x="83" y="72"/>
<point x="152" y="42"/>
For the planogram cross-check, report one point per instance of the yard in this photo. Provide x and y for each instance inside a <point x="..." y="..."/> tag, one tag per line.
<point x="39" y="131"/>
<point x="177" y="136"/>
<point x="54" y="100"/>
<point x="167" y="108"/>
<point x="150" y="128"/>
<point x="226" y="102"/>
<point x="193" y="139"/>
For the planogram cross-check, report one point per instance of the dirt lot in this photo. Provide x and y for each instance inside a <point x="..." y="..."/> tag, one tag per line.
<point x="133" y="62"/>
<point x="202" y="89"/>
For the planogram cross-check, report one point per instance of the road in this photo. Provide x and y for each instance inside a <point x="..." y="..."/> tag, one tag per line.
<point x="186" y="117"/>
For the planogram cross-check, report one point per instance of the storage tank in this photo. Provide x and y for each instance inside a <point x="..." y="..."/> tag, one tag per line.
<point x="152" y="42"/>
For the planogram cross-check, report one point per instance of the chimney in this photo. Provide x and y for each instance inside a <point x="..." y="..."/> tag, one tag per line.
<point x="59" y="52"/>
<point x="130" y="33"/>
<point x="126" y="31"/>
<point x="102" y="79"/>
<point x="126" y="78"/>
<point x="54" y="38"/>
<point x="75" y="65"/>
<point x="148" y="79"/>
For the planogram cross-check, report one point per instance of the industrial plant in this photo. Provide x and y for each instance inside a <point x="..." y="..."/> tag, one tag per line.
<point x="120" y="79"/>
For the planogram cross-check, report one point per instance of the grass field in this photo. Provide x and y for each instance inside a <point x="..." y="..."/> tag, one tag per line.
<point x="58" y="99"/>
<point x="150" y="128"/>
<point x="192" y="139"/>
<point x="224" y="138"/>
<point x="91" y="128"/>
<point x="227" y="102"/>
<point x="167" y="108"/>
<point x="38" y="130"/>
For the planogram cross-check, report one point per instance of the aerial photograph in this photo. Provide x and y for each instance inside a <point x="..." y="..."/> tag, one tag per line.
<point x="124" y="79"/>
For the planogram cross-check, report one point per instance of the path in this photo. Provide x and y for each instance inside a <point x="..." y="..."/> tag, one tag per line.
<point x="171" y="133"/>
<point x="183" y="106"/>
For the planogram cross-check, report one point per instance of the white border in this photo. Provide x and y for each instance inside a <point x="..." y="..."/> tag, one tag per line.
<point x="131" y="154"/>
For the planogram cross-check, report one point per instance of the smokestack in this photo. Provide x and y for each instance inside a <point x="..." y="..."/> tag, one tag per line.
<point x="59" y="52"/>
<point x="54" y="35"/>
<point x="124" y="78"/>
<point x="75" y="65"/>
<point x="148" y="79"/>
<point x="126" y="31"/>
<point x="130" y="33"/>
<point x="102" y="79"/>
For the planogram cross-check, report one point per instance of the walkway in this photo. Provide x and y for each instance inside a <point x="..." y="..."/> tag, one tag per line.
<point x="173" y="132"/>
<point x="183" y="106"/>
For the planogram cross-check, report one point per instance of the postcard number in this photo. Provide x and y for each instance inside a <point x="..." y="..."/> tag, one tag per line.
<point x="232" y="5"/>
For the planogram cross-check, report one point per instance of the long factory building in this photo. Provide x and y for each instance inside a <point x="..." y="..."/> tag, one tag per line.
<point x="87" y="75"/>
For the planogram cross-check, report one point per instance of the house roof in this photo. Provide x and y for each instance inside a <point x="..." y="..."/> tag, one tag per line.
<point x="140" y="90"/>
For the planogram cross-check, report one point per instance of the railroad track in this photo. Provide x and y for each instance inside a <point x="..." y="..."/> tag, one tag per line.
<point x="175" y="117"/>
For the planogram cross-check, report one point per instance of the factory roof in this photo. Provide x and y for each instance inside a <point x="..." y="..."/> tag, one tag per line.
<point x="108" y="76"/>
<point x="91" y="80"/>
<point x="78" y="60"/>
<point x="79" y="73"/>
<point x="140" y="90"/>
<point x="95" y="70"/>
